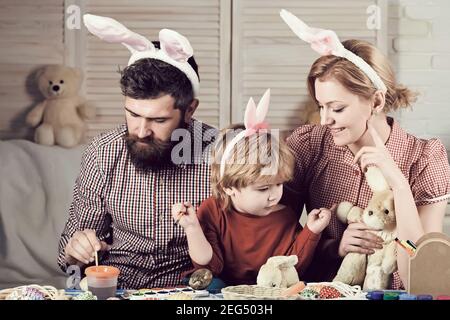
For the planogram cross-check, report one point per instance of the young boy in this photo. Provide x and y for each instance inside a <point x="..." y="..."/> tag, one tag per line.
<point x="236" y="230"/>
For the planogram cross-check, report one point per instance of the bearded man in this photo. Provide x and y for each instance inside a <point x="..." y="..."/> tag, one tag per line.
<point x="132" y="175"/>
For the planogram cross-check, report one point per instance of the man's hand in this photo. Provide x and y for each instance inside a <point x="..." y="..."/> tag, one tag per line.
<point x="82" y="246"/>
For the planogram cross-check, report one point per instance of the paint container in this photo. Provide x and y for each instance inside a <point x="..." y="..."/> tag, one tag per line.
<point x="102" y="281"/>
<point x="390" y="296"/>
<point x="137" y="296"/>
<point x="406" y="296"/>
<point x="375" y="295"/>
<point x="424" y="297"/>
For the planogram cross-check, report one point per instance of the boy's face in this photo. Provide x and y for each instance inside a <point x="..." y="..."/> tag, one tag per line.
<point x="258" y="199"/>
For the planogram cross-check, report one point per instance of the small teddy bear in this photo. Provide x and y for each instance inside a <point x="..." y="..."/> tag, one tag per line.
<point x="372" y="271"/>
<point x="61" y="115"/>
<point x="278" y="272"/>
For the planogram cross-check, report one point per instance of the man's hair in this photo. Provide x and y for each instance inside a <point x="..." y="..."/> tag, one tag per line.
<point x="274" y="161"/>
<point x="150" y="78"/>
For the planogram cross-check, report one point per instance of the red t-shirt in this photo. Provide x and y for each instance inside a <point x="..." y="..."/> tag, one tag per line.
<point x="242" y="243"/>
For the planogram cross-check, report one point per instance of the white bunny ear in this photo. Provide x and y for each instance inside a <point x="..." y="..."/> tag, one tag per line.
<point x="175" y="45"/>
<point x="250" y="114"/>
<point x="263" y="107"/>
<point x="300" y="28"/>
<point x="324" y="42"/>
<point x="283" y="261"/>
<point x="111" y="30"/>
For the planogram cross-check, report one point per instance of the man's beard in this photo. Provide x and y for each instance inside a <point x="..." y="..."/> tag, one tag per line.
<point x="150" y="152"/>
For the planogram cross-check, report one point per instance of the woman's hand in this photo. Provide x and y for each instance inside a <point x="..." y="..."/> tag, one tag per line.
<point x="359" y="238"/>
<point x="380" y="157"/>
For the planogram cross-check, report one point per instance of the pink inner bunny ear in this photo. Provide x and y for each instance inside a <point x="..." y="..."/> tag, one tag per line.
<point x="327" y="42"/>
<point x="175" y="45"/>
<point x="111" y="30"/>
<point x="250" y="114"/>
<point x="263" y="107"/>
<point x="321" y="49"/>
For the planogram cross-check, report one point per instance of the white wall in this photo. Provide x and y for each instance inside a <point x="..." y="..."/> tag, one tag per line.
<point x="31" y="35"/>
<point x="419" y="48"/>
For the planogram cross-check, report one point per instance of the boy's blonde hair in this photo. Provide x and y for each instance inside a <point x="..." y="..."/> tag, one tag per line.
<point x="259" y="158"/>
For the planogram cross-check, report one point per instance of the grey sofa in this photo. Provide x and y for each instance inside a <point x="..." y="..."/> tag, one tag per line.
<point x="36" y="185"/>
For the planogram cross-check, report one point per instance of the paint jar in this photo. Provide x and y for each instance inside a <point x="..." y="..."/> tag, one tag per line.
<point x="406" y="296"/>
<point x="424" y="297"/>
<point x="390" y="296"/>
<point x="137" y="296"/>
<point x="375" y="295"/>
<point x="102" y="281"/>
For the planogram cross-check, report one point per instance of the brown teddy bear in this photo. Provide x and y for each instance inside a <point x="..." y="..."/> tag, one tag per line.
<point x="61" y="115"/>
<point x="372" y="271"/>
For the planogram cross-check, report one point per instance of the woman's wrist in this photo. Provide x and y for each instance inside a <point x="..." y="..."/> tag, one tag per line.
<point x="401" y="184"/>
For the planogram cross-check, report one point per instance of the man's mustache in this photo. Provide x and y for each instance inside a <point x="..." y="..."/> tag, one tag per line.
<point x="149" y="140"/>
<point x="146" y="140"/>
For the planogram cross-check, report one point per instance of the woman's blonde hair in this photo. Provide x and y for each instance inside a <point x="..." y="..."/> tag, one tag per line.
<point x="259" y="158"/>
<point x="356" y="81"/>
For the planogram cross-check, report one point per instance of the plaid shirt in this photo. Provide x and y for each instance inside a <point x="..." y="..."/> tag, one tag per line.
<point x="325" y="175"/>
<point x="131" y="208"/>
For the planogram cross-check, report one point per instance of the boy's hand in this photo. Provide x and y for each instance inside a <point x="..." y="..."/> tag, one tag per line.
<point x="82" y="246"/>
<point x="184" y="214"/>
<point x="318" y="220"/>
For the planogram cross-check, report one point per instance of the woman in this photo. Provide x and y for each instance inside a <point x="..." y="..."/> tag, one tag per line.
<point x="354" y="97"/>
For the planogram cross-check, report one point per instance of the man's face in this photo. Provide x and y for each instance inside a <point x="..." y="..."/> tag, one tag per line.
<point x="150" y="125"/>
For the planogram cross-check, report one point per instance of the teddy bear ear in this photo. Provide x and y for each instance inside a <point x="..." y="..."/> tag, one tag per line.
<point x="342" y="211"/>
<point x="39" y="72"/>
<point x="78" y="73"/>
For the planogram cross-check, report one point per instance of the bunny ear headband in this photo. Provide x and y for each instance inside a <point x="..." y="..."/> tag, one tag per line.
<point x="253" y="120"/>
<point x="326" y="42"/>
<point x="175" y="49"/>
